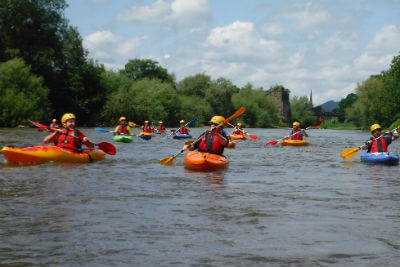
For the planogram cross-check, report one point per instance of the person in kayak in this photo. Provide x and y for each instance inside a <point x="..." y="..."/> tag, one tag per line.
<point x="238" y="129"/>
<point x="53" y="124"/>
<point x="68" y="137"/>
<point x="379" y="142"/>
<point x="161" y="127"/>
<point x="182" y="129"/>
<point x="123" y="128"/>
<point x="296" y="133"/>
<point x="214" y="140"/>
<point x="146" y="128"/>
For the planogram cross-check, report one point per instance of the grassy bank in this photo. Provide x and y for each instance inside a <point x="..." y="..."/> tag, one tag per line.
<point x="335" y="125"/>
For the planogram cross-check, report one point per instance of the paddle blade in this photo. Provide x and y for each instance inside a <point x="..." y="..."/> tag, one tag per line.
<point x="191" y="121"/>
<point x="348" y="153"/>
<point x="236" y="114"/>
<point x="40" y="130"/>
<point x="271" y="143"/>
<point x="101" y="130"/>
<point x="107" y="148"/>
<point x="188" y="143"/>
<point x="316" y="124"/>
<point x="252" y="136"/>
<point x="132" y="124"/>
<point x="39" y="125"/>
<point x="166" y="161"/>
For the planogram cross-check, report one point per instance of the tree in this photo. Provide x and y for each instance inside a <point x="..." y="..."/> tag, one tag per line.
<point x="194" y="85"/>
<point x="301" y="110"/>
<point x="344" y="104"/>
<point x="137" y="69"/>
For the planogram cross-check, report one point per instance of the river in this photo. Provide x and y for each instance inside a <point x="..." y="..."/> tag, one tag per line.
<point x="273" y="206"/>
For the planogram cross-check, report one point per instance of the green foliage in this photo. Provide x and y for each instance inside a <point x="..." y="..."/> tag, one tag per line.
<point x="301" y="111"/>
<point x="344" y="104"/>
<point x="22" y="95"/>
<point x="194" y="85"/>
<point x="137" y="69"/>
<point x="194" y="107"/>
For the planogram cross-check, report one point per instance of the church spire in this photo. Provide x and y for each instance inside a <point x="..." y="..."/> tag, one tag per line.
<point x="311" y="99"/>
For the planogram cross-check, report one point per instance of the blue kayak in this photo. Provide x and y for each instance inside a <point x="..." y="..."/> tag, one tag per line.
<point x="381" y="157"/>
<point x="182" y="136"/>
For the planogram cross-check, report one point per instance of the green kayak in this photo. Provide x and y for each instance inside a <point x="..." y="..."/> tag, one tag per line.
<point x="123" y="138"/>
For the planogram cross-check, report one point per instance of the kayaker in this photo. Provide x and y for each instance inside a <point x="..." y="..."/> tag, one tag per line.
<point x="296" y="133"/>
<point x="68" y="137"/>
<point x="182" y="129"/>
<point x="161" y="127"/>
<point x="123" y="128"/>
<point x="146" y="128"/>
<point x="214" y="140"/>
<point x="54" y="124"/>
<point x="379" y="142"/>
<point x="237" y="129"/>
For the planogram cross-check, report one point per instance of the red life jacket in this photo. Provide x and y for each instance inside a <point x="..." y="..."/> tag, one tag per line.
<point x="54" y="125"/>
<point x="210" y="143"/>
<point x="147" y="129"/>
<point x="183" y="130"/>
<point x="238" y="131"/>
<point x="296" y="135"/>
<point x="160" y="128"/>
<point x="122" y="129"/>
<point x="378" y="145"/>
<point x="65" y="140"/>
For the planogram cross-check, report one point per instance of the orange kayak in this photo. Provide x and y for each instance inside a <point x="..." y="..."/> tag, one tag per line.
<point x="200" y="161"/>
<point x="294" y="143"/>
<point x="50" y="153"/>
<point x="231" y="144"/>
<point x="238" y="136"/>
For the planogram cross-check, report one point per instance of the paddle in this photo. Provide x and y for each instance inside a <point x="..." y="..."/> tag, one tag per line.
<point x="174" y="131"/>
<point x="106" y="147"/>
<point x="132" y="124"/>
<point x="169" y="160"/>
<point x="101" y="130"/>
<point x="309" y="127"/>
<point x="349" y="153"/>
<point x="252" y="136"/>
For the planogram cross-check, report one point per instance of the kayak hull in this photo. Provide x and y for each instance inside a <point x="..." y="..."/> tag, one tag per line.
<point x="381" y="158"/>
<point x="182" y="136"/>
<point x="205" y="161"/>
<point x="238" y="137"/>
<point x="38" y="154"/>
<point x="123" y="138"/>
<point x="231" y="144"/>
<point x="145" y="136"/>
<point x="159" y="131"/>
<point x="294" y="143"/>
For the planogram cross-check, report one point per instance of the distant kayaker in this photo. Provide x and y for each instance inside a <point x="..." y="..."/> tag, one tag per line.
<point x="379" y="142"/>
<point x="146" y="128"/>
<point x="296" y="133"/>
<point x="238" y="129"/>
<point x="68" y="137"/>
<point x="123" y="128"/>
<point x="182" y="128"/>
<point x="214" y="140"/>
<point x="161" y="127"/>
<point x="54" y="124"/>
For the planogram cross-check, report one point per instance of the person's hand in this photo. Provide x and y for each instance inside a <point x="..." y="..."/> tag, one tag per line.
<point x="388" y="132"/>
<point x="369" y="142"/>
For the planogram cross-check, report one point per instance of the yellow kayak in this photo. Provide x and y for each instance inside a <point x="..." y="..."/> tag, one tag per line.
<point x="294" y="142"/>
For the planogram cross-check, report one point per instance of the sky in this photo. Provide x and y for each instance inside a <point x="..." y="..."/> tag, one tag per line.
<point x="327" y="46"/>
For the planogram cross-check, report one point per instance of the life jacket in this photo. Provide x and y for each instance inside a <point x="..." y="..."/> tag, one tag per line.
<point x="122" y="129"/>
<point x="378" y="145"/>
<point x="160" y="127"/>
<point x="296" y="135"/>
<point x="65" y="140"/>
<point x="147" y="129"/>
<point x="210" y="143"/>
<point x="183" y="130"/>
<point x="238" y="131"/>
<point x="54" y="125"/>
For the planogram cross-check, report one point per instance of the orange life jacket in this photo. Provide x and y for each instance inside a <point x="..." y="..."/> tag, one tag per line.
<point x="67" y="141"/>
<point x="122" y="129"/>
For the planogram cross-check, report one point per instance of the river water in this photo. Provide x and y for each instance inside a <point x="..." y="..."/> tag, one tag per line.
<point x="273" y="206"/>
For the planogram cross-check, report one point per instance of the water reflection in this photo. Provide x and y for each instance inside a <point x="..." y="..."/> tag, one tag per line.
<point x="215" y="177"/>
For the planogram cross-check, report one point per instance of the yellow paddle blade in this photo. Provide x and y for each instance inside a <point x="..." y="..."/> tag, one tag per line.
<point x="188" y="143"/>
<point x="348" y="153"/>
<point x="132" y="124"/>
<point x="166" y="161"/>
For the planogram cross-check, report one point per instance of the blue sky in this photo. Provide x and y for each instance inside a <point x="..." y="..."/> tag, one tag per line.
<point x="326" y="46"/>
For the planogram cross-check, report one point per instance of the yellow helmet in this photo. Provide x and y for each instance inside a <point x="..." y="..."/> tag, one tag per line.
<point x="160" y="122"/>
<point x="374" y="127"/>
<point x="296" y="123"/>
<point x="67" y="116"/>
<point x="146" y="122"/>
<point x="182" y="121"/>
<point x="122" y="119"/>
<point x="217" y="119"/>
<point x="54" y="120"/>
<point x="239" y="124"/>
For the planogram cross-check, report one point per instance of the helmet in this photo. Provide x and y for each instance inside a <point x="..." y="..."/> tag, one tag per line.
<point x="217" y="119"/>
<point x="374" y="127"/>
<point x="67" y="116"/>
<point x="54" y="120"/>
<point x="146" y="122"/>
<point x="296" y="123"/>
<point x="160" y="122"/>
<point x="239" y="124"/>
<point x="182" y="121"/>
<point x="122" y="118"/>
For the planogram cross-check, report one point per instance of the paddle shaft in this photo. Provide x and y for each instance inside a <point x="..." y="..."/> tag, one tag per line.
<point x="309" y="127"/>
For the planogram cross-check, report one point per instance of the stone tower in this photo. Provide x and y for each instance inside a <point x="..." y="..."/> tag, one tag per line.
<point x="282" y="97"/>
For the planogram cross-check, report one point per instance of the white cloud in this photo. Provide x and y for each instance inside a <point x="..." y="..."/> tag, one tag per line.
<point x="157" y="12"/>
<point x="306" y="16"/>
<point x="273" y="30"/>
<point x="386" y="39"/>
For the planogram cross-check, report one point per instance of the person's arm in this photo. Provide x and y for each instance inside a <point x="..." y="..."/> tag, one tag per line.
<point x="116" y="130"/>
<point x="128" y="128"/>
<point x="50" y="138"/>
<point x="304" y="132"/>
<point x="85" y="140"/>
